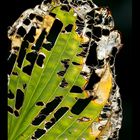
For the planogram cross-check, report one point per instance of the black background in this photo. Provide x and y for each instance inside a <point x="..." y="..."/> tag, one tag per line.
<point x="122" y="13"/>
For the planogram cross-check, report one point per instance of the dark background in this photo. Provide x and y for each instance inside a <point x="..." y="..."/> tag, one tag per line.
<point x="122" y="13"/>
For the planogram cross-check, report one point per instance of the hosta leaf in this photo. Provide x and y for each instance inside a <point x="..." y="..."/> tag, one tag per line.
<point x="61" y="73"/>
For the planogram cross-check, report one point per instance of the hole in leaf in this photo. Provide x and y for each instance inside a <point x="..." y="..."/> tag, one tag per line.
<point x="31" y="34"/>
<point x="24" y="86"/>
<point x="94" y="78"/>
<point x="92" y="56"/>
<point x="118" y="101"/>
<point x="100" y="63"/>
<point x="47" y="46"/>
<point x="106" y="22"/>
<point x="39" y="18"/>
<point x="65" y="62"/>
<point x="10" y="95"/>
<point x="11" y="62"/>
<point x="48" y="125"/>
<point x="10" y="109"/>
<point x="16" y="113"/>
<point x="54" y="32"/>
<point x="69" y="28"/>
<point x="19" y="99"/>
<point x="28" y="69"/>
<point x="90" y="27"/>
<point x="76" y="89"/>
<point x="104" y="116"/>
<point x="21" y="31"/>
<point x="40" y="59"/>
<point x="91" y="14"/>
<point x="32" y="16"/>
<point x="16" y="48"/>
<point x="60" y="112"/>
<point x="114" y="51"/>
<point x="88" y="34"/>
<point x="98" y="19"/>
<point x="52" y="14"/>
<point x="61" y="73"/>
<point x="75" y="63"/>
<point x="65" y="8"/>
<point x="86" y="45"/>
<point x="26" y="21"/>
<point x="15" y="73"/>
<point x="38" y="119"/>
<point x="31" y="57"/>
<point x="40" y="104"/>
<point x="39" y="133"/>
<point x="40" y="40"/>
<point x="80" y="105"/>
<point x="63" y="83"/>
<point x="105" y="32"/>
<point x="84" y="73"/>
<point x="22" y="53"/>
<point x="97" y="31"/>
